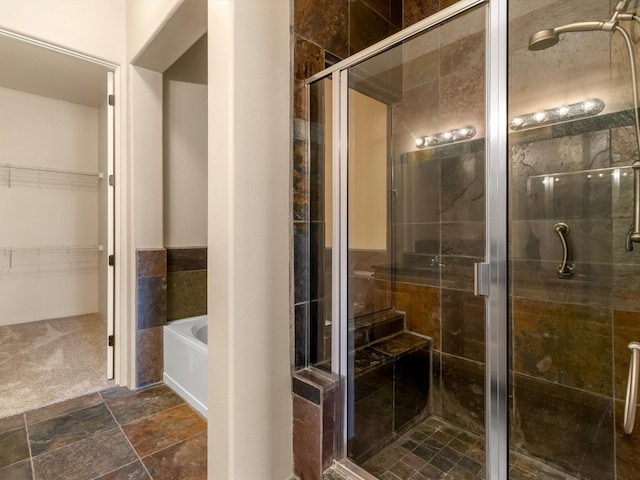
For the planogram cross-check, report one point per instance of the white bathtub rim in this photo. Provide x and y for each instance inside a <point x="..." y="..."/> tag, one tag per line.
<point x="181" y="329"/>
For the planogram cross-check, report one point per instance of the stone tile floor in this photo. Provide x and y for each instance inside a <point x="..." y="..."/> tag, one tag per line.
<point x="111" y="435"/>
<point x="435" y="450"/>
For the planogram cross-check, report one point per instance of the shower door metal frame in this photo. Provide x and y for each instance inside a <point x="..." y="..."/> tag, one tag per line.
<point x="496" y="333"/>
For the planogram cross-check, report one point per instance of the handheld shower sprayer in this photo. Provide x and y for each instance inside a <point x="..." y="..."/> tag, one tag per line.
<point x="549" y="37"/>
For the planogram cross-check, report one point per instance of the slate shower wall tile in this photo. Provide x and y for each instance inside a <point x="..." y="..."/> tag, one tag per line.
<point x="457" y="272"/>
<point x="416" y="10"/>
<point x="464" y="53"/>
<point x="462" y="188"/>
<point x="185" y="259"/>
<point x="149" y="356"/>
<point x="330" y="30"/>
<point x="422" y="307"/>
<point x="307" y="439"/>
<point x="463" y="238"/>
<point x="563" y="343"/>
<point x="463" y="396"/>
<point x="626" y="329"/>
<point x="626" y="284"/>
<point x="308" y="59"/>
<point x="151" y="262"/>
<point x="367" y="26"/>
<point x="301" y="261"/>
<point x="151" y="302"/>
<point x="300" y="330"/>
<point x="300" y="185"/>
<point x="186" y="294"/>
<point x="627" y="447"/>
<point x="566" y="427"/>
<point x="462" y="98"/>
<point x="463" y="324"/>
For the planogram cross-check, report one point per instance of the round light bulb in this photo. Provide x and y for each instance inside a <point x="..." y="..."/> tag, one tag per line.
<point x="588" y="106"/>
<point x="516" y="122"/>
<point x="463" y="132"/>
<point x="419" y="142"/>
<point x="562" y="111"/>
<point x="540" y="116"/>
<point x="447" y="135"/>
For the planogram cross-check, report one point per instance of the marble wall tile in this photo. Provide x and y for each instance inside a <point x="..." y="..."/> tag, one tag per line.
<point x="186" y="294"/>
<point x="164" y="429"/>
<point x="626" y="329"/>
<point x="185" y="259"/>
<point x="463" y="324"/>
<point x="149" y="356"/>
<point x="565" y="427"/>
<point x="307" y="438"/>
<point x="91" y="457"/>
<point x="421" y="305"/>
<point x="151" y="302"/>
<point x="13" y="446"/>
<point x="187" y="459"/>
<point x="143" y="403"/>
<point x="366" y="26"/>
<point x="330" y="30"/>
<point x="551" y="341"/>
<point x="463" y="399"/>
<point x="151" y="262"/>
<point x="462" y="189"/>
<point x="69" y="428"/>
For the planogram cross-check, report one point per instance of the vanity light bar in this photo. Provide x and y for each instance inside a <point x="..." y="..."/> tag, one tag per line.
<point x="593" y="106"/>
<point x="464" y="133"/>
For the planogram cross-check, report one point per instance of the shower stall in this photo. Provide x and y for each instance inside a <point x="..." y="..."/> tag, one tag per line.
<point x="473" y="208"/>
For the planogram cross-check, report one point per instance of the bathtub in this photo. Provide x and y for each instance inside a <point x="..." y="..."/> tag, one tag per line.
<point x="185" y="360"/>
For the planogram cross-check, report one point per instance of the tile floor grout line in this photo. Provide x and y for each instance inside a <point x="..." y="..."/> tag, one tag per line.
<point x="174" y="444"/>
<point x="115" y="469"/>
<point x="129" y="442"/>
<point x="62" y="414"/>
<point x="26" y="429"/>
<point x="152" y="415"/>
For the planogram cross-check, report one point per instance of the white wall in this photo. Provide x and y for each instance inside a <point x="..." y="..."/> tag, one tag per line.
<point x="185" y="164"/>
<point x="43" y="132"/>
<point x="250" y="414"/>
<point x="144" y="18"/>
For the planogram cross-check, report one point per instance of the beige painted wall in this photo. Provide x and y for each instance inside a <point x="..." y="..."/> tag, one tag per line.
<point x="43" y="132"/>
<point x="144" y="18"/>
<point x="250" y="414"/>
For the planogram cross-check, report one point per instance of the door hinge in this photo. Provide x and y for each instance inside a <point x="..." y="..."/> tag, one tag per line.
<point x="112" y="260"/>
<point x="112" y="180"/>
<point x="112" y="100"/>
<point x="111" y="340"/>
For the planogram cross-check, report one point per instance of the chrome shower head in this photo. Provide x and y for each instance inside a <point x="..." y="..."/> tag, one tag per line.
<point x="543" y="39"/>
<point x="550" y="36"/>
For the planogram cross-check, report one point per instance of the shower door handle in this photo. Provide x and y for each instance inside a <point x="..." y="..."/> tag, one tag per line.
<point x="632" y="388"/>
<point x="565" y="269"/>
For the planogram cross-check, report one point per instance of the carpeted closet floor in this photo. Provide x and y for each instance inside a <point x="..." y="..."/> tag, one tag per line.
<point x="49" y="361"/>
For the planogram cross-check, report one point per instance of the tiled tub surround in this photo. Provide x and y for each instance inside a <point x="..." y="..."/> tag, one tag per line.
<point x="151" y="313"/>
<point x="186" y="282"/>
<point x="115" y="434"/>
<point x="570" y="336"/>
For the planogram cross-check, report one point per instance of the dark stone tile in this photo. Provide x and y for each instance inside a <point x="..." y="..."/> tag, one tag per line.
<point x="300" y="179"/>
<point x="463" y="398"/>
<point x="422" y="307"/>
<point x="470" y="465"/>
<point x="11" y="423"/>
<point x="116" y="392"/>
<point x="17" y="471"/>
<point x="307" y="437"/>
<point x="416" y="115"/>
<point x="142" y="404"/>
<point x="366" y="26"/>
<point x="539" y="280"/>
<point x="441" y="463"/>
<point x="306" y="390"/>
<point x="411" y="382"/>
<point x="154" y="433"/>
<point x="401" y="343"/>
<point x="564" y="427"/>
<point x="463" y="238"/>
<point x="187" y="459"/>
<point x="186" y="294"/>
<point x="626" y="283"/>
<point x="463" y="53"/>
<point x="329" y="30"/>
<point x="133" y="471"/>
<point x="627" y="445"/>
<point x="91" y="457"/>
<point x="300" y="336"/>
<point x="13" y="446"/>
<point x="149" y="356"/>
<point x="458" y="272"/>
<point x="301" y="261"/>
<point x="463" y="324"/>
<point x="422" y="62"/>
<point x="308" y="59"/>
<point x="626" y="329"/>
<point x="329" y="426"/>
<point x="62" y="408"/>
<point x="550" y="341"/>
<point x="330" y="59"/>
<point x="416" y="10"/>
<point x="57" y="432"/>
<point x="462" y="189"/>
<point x="151" y="262"/>
<point x="186" y="259"/>
<point x="151" y="302"/>
<point x="418" y="185"/>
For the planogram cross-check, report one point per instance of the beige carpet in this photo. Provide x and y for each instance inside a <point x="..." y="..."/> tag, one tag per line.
<point x="50" y="361"/>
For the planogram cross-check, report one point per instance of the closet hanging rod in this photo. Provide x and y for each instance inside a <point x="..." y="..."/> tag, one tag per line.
<point x="50" y="170"/>
<point x="51" y="249"/>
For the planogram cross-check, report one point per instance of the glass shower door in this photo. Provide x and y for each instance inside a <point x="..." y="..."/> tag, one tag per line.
<point x="415" y="123"/>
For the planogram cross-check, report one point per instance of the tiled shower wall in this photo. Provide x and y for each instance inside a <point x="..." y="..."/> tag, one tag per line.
<point x="186" y="282"/>
<point x="326" y="31"/>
